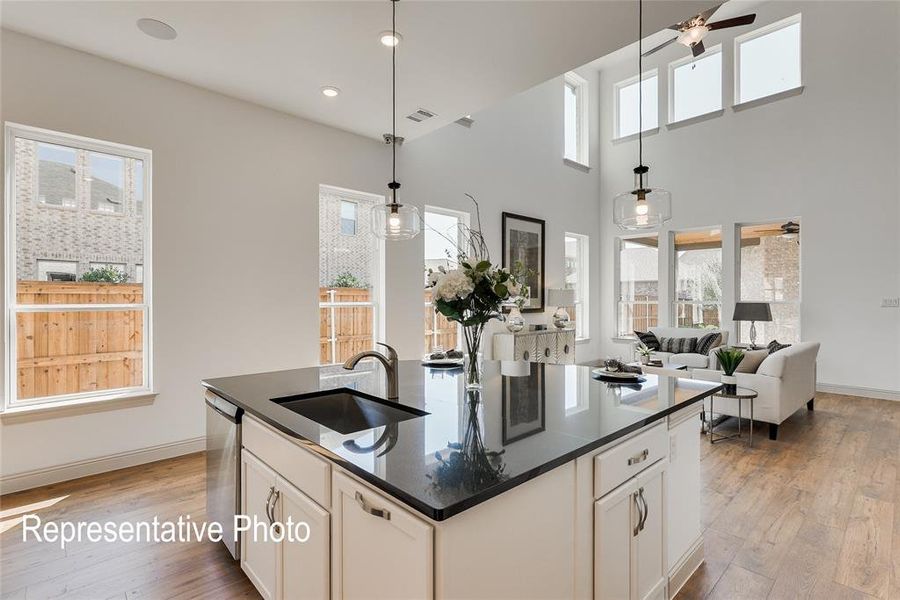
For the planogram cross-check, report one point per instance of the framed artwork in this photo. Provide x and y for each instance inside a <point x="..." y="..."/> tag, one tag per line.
<point x="523" y="247"/>
<point x="524" y="405"/>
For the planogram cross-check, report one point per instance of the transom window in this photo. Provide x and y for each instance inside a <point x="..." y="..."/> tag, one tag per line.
<point x="79" y="319"/>
<point x="577" y="133"/>
<point x="626" y="93"/>
<point x="767" y="61"/>
<point x="695" y="85"/>
<point x="698" y="278"/>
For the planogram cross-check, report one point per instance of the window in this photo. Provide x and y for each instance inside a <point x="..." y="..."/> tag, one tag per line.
<point x="138" y="187"/>
<point x="577" y="132"/>
<point x="637" y="297"/>
<point x="348" y="217"/>
<point x="767" y="61"/>
<point x="695" y="85"/>
<point x="74" y="339"/>
<point x="351" y="276"/>
<point x="139" y="273"/>
<point x="443" y="241"/>
<point x="577" y="273"/>
<point x="627" y="104"/>
<point x="770" y="272"/>
<point x="56" y="270"/>
<point x="107" y="182"/>
<point x="698" y="278"/>
<point x="56" y="174"/>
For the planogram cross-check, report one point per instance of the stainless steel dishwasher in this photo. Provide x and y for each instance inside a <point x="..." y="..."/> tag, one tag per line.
<point x="223" y="467"/>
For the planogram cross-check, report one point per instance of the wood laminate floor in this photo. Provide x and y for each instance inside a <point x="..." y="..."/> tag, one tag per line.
<point x="814" y="515"/>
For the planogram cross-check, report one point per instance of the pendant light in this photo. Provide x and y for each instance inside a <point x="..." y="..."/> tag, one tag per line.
<point x="394" y="221"/>
<point x="642" y="207"/>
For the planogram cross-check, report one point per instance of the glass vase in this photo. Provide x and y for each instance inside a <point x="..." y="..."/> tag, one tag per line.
<point x="473" y="363"/>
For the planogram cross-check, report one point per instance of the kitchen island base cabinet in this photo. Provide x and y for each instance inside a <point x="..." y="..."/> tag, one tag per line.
<point x="290" y="569"/>
<point x="630" y="551"/>
<point x="379" y="551"/>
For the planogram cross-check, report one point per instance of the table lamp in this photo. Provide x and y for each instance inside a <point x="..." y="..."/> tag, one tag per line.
<point x="560" y="299"/>
<point x="753" y="312"/>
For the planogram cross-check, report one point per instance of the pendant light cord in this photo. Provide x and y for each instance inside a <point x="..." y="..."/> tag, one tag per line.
<point x="640" y="84"/>
<point x="394" y="100"/>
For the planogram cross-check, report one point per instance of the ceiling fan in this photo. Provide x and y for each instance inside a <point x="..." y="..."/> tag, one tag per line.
<point x="789" y="230"/>
<point x="692" y="31"/>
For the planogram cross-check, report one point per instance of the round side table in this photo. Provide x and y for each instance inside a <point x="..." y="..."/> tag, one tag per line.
<point x="740" y="394"/>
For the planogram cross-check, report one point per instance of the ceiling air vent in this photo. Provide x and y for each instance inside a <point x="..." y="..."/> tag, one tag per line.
<point x="420" y="115"/>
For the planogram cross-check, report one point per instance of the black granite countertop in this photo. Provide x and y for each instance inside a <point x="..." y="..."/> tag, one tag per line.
<point x="471" y="446"/>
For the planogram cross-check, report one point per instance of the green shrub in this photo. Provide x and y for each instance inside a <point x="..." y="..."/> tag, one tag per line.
<point x="348" y="280"/>
<point x="105" y="274"/>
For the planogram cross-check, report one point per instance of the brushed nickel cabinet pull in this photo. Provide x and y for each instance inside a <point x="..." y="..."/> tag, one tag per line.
<point x="644" y="513"/>
<point x="268" y="503"/>
<point x="637" y="528"/>
<point x="375" y="512"/>
<point x="640" y="457"/>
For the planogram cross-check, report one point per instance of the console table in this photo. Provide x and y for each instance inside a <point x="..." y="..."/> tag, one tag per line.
<point x="550" y="346"/>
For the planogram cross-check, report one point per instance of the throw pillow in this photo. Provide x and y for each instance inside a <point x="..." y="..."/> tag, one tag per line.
<point x="752" y="360"/>
<point x="678" y="345"/>
<point x="648" y="338"/>
<point x="708" y="342"/>
<point x="775" y="346"/>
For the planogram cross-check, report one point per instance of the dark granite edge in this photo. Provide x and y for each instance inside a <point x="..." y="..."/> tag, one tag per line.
<point x="442" y="514"/>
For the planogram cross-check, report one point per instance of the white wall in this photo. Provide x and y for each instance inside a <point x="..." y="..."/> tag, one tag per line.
<point x="829" y="156"/>
<point x="511" y="161"/>
<point x="235" y="211"/>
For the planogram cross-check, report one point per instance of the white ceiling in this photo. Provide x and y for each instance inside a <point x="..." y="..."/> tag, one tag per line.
<point x="456" y="57"/>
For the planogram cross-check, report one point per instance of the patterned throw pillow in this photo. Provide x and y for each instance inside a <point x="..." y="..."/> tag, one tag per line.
<point x="648" y="339"/>
<point x="775" y="346"/>
<point x="708" y="342"/>
<point x="678" y="345"/>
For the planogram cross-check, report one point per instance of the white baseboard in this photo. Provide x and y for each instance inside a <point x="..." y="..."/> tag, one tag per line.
<point x="103" y="464"/>
<point x="689" y="563"/>
<point x="851" y="390"/>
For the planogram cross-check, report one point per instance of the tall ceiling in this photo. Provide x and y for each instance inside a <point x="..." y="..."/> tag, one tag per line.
<point x="456" y="57"/>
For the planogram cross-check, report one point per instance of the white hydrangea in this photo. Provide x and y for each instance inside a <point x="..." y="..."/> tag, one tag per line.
<point x="453" y="284"/>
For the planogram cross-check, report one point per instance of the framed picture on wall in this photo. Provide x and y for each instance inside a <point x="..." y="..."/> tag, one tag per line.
<point x="523" y="250"/>
<point x="524" y="405"/>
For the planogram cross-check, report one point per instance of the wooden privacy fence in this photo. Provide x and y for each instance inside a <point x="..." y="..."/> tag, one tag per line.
<point x="75" y="351"/>
<point x="438" y="330"/>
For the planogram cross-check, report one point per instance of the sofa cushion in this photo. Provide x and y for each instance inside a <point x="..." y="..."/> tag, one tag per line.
<point x="708" y="342"/>
<point x="752" y="360"/>
<point x="775" y="346"/>
<point x="691" y="360"/>
<point x="648" y="338"/>
<point x="678" y="345"/>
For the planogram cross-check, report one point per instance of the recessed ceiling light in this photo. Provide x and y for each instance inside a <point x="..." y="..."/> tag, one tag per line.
<point x="390" y="38"/>
<point x="157" y="29"/>
<point x="330" y="91"/>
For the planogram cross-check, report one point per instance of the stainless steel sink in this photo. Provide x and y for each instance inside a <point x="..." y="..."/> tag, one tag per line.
<point x="347" y="411"/>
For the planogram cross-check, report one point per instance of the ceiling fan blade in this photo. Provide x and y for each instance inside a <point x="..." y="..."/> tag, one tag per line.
<point x="735" y="22"/>
<point x="698" y="49"/>
<point x="660" y="47"/>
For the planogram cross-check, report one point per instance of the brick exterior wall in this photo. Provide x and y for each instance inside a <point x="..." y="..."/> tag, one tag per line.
<point x="76" y="234"/>
<point x="340" y="253"/>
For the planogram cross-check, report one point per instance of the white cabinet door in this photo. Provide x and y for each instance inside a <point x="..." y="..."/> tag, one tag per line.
<point x="683" y="490"/>
<point x="259" y="557"/>
<point x="305" y="565"/>
<point x="650" y="571"/>
<point x="615" y="519"/>
<point x="379" y="550"/>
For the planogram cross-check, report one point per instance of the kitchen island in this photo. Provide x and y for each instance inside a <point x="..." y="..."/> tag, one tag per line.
<point x="551" y="485"/>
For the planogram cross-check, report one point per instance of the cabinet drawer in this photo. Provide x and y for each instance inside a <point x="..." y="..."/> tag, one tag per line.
<point x="525" y="348"/>
<point x="615" y="466"/>
<point x="565" y="348"/>
<point x="546" y="348"/>
<point x="297" y="465"/>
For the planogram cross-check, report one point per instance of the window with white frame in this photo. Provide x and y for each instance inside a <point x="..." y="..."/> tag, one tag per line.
<point x="577" y="275"/>
<point x="695" y="85"/>
<point x="698" y="278"/>
<point x="767" y="60"/>
<point x="348" y="217"/>
<point x="627" y="100"/>
<point x="770" y="272"/>
<point x="637" y="297"/>
<point x="577" y="128"/>
<point x="443" y="242"/>
<point x="74" y="337"/>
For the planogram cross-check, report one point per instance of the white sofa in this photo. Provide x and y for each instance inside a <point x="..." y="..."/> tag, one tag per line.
<point x="689" y="359"/>
<point x="785" y="381"/>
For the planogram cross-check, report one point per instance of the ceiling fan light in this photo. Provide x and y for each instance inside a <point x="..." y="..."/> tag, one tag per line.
<point x="694" y="35"/>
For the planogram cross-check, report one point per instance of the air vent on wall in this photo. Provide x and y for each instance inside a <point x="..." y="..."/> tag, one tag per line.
<point x="420" y="115"/>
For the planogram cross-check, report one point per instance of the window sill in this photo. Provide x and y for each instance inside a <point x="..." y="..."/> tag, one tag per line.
<point x="585" y="340"/>
<point x="695" y="119"/>
<point x="767" y="99"/>
<point x="81" y="406"/>
<point x="624" y="340"/>
<point x="634" y="136"/>
<point x="576" y="165"/>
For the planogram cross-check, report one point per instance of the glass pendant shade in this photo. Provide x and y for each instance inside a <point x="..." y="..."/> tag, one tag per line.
<point x="643" y="207"/>
<point x="396" y="221"/>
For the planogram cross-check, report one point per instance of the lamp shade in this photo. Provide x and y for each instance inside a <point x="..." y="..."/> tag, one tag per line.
<point x="560" y="297"/>
<point x="395" y="221"/>
<point x="752" y="311"/>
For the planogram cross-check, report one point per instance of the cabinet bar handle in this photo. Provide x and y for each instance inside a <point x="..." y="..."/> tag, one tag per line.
<point x="268" y="502"/>
<point x="637" y="528"/>
<point x="375" y="512"/>
<point x="644" y="513"/>
<point x="639" y="458"/>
